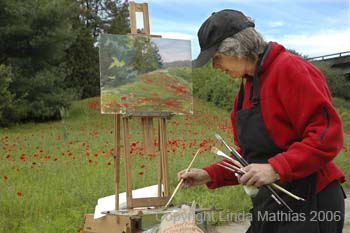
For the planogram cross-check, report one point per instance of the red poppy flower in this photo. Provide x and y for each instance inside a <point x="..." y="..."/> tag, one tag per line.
<point x="142" y="166"/>
<point x="109" y="163"/>
<point x="19" y="194"/>
<point x="5" y="177"/>
<point x="203" y="143"/>
<point x="141" y="173"/>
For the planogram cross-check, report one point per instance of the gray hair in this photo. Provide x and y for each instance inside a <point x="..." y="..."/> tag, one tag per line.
<point x="247" y="43"/>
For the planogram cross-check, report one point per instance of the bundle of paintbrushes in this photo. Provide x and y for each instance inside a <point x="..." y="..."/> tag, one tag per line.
<point x="236" y="165"/>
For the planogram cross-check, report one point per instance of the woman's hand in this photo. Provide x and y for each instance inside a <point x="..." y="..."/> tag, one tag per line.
<point x="258" y="175"/>
<point x="193" y="177"/>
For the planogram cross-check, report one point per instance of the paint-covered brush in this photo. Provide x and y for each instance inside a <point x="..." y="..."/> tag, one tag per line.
<point x="182" y="180"/>
<point x="233" y="152"/>
<point x="223" y="155"/>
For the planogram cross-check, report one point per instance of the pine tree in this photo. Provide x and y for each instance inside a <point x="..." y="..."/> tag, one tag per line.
<point x="33" y="38"/>
<point x="117" y="20"/>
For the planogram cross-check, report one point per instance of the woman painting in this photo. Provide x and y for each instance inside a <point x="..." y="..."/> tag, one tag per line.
<point x="284" y="124"/>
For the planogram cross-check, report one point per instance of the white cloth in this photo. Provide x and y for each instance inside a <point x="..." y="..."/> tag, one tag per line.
<point x="108" y="203"/>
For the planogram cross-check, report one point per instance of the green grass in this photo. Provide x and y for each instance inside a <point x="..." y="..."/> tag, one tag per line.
<point x="62" y="168"/>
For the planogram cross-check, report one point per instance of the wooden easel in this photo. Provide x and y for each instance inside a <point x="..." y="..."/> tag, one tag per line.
<point x="131" y="221"/>
<point x="148" y="136"/>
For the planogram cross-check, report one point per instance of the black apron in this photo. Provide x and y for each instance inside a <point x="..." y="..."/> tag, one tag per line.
<point x="257" y="147"/>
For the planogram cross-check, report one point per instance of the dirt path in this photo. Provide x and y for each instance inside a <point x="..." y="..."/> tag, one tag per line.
<point x="241" y="227"/>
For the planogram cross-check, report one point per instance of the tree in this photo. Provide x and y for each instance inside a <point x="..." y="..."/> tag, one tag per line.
<point x="51" y="47"/>
<point x="92" y="18"/>
<point x="117" y="17"/>
<point x="298" y="54"/>
<point x="146" y="57"/>
<point x="33" y="38"/>
<point x="83" y="65"/>
<point x="6" y="98"/>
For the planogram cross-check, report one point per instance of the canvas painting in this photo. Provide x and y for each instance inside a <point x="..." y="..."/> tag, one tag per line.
<point x="145" y="74"/>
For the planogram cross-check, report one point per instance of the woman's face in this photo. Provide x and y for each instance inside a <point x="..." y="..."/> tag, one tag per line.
<point x="236" y="67"/>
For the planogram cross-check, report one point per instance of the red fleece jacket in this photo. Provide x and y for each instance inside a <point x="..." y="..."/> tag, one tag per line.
<point x="297" y="111"/>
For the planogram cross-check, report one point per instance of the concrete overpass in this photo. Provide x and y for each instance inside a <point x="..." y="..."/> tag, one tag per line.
<point x="340" y="61"/>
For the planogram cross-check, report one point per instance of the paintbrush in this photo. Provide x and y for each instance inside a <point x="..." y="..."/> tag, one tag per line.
<point x="232" y="168"/>
<point x="222" y="154"/>
<point x="276" y="186"/>
<point x="238" y="169"/>
<point x="233" y="152"/>
<point x="274" y="195"/>
<point x="242" y="161"/>
<point x="181" y="181"/>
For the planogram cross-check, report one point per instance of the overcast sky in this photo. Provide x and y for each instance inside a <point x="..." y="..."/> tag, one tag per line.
<point x="311" y="27"/>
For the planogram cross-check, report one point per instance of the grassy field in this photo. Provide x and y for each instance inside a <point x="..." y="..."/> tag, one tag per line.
<point x="51" y="174"/>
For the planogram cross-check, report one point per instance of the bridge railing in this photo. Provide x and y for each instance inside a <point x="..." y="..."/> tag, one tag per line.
<point x="329" y="56"/>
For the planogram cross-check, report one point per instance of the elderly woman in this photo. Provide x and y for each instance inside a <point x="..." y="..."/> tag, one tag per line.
<point x="284" y="124"/>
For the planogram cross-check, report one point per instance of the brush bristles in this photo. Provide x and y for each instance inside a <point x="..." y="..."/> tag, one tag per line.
<point x="218" y="136"/>
<point x="214" y="150"/>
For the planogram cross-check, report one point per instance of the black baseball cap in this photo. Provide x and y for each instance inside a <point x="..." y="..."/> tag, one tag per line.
<point x="215" y="29"/>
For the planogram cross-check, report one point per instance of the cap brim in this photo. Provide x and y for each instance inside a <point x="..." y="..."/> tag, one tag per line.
<point x="204" y="57"/>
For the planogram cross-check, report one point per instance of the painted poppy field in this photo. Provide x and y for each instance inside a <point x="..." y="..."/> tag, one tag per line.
<point x="160" y="91"/>
<point x="51" y="174"/>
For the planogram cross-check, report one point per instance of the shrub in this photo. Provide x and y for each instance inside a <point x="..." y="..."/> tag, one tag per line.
<point x="336" y="81"/>
<point x="215" y="86"/>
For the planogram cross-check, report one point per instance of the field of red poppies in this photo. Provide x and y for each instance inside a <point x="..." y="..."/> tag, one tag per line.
<point x="51" y="174"/>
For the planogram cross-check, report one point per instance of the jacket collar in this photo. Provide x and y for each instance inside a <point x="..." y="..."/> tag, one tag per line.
<point x="272" y="51"/>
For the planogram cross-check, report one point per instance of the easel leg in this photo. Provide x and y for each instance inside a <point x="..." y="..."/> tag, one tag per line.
<point x="163" y="153"/>
<point x="129" y="203"/>
<point x="117" y="158"/>
<point x="160" y="161"/>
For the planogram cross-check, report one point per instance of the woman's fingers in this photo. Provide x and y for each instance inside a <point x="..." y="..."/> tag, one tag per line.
<point x="258" y="175"/>
<point x="180" y="174"/>
<point x="247" y="176"/>
<point x="193" y="177"/>
<point x="187" y="183"/>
